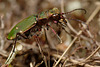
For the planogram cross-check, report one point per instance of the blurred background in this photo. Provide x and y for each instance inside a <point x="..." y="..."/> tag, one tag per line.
<point x="13" y="11"/>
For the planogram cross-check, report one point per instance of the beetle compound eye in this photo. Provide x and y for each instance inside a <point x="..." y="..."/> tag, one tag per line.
<point x="54" y="15"/>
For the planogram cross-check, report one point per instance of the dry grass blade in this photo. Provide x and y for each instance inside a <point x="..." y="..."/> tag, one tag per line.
<point x="2" y="33"/>
<point x="91" y="17"/>
<point x="41" y="51"/>
<point x="31" y="65"/>
<point x="39" y="64"/>
<point x="79" y="33"/>
<point x="68" y="48"/>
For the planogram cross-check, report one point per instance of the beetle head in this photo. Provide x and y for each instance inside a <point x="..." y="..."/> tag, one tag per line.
<point x="54" y="11"/>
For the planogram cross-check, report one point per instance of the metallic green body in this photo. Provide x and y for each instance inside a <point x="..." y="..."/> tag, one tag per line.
<point x="29" y="22"/>
<point x="22" y="26"/>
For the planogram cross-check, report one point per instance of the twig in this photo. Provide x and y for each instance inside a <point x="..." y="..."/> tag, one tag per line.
<point x="57" y="56"/>
<point x="41" y="51"/>
<point x="3" y="54"/>
<point x="65" y="62"/>
<point x="93" y="14"/>
<point x="2" y="33"/>
<point x="79" y="33"/>
<point x="93" y="53"/>
<point x="31" y="65"/>
<point x="91" y="17"/>
<point x="73" y="30"/>
<point x="62" y="6"/>
<point x="75" y="62"/>
<point x="39" y="64"/>
<point x="69" y="25"/>
<point x="68" y="48"/>
<point x="4" y="65"/>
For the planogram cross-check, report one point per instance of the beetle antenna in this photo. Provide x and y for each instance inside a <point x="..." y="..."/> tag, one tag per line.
<point x="55" y="33"/>
<point x="75" y="10"/>
<point x="78" y="21"/>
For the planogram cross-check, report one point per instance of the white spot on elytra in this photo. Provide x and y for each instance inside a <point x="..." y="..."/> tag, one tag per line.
<point x="10" y="37"/>
<point x="16" y="27"/>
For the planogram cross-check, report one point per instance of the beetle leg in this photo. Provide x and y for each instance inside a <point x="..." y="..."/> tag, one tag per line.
<point x="19" y="34"/>
<point x="55" y="33"/>
<point x="48" y="41"/>
<point x="47" y="27"/>
<point x="63" y="27"/>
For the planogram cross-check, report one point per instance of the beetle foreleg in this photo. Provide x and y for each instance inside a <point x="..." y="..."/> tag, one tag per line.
<point x="63" y="27"/>
<point x="55" y="33"/>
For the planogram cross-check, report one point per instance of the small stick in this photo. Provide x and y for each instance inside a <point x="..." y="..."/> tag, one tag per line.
<point x="93" y="14"/>
<point x="93" y="53"/>
<point x="39" y="64"/>
<point x="79" y="33"/>
<point x="41" y="51"/>
<point x="68" y="48"/>
<point x="2" y="33"/>
<point x="71" y="60"/>
<point x="62" y="6"/>
<point x="31" y="65"/>
<point x="91" y="17"/>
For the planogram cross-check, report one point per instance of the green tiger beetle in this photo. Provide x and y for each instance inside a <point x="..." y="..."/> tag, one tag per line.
<point x="34" y="23"/>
